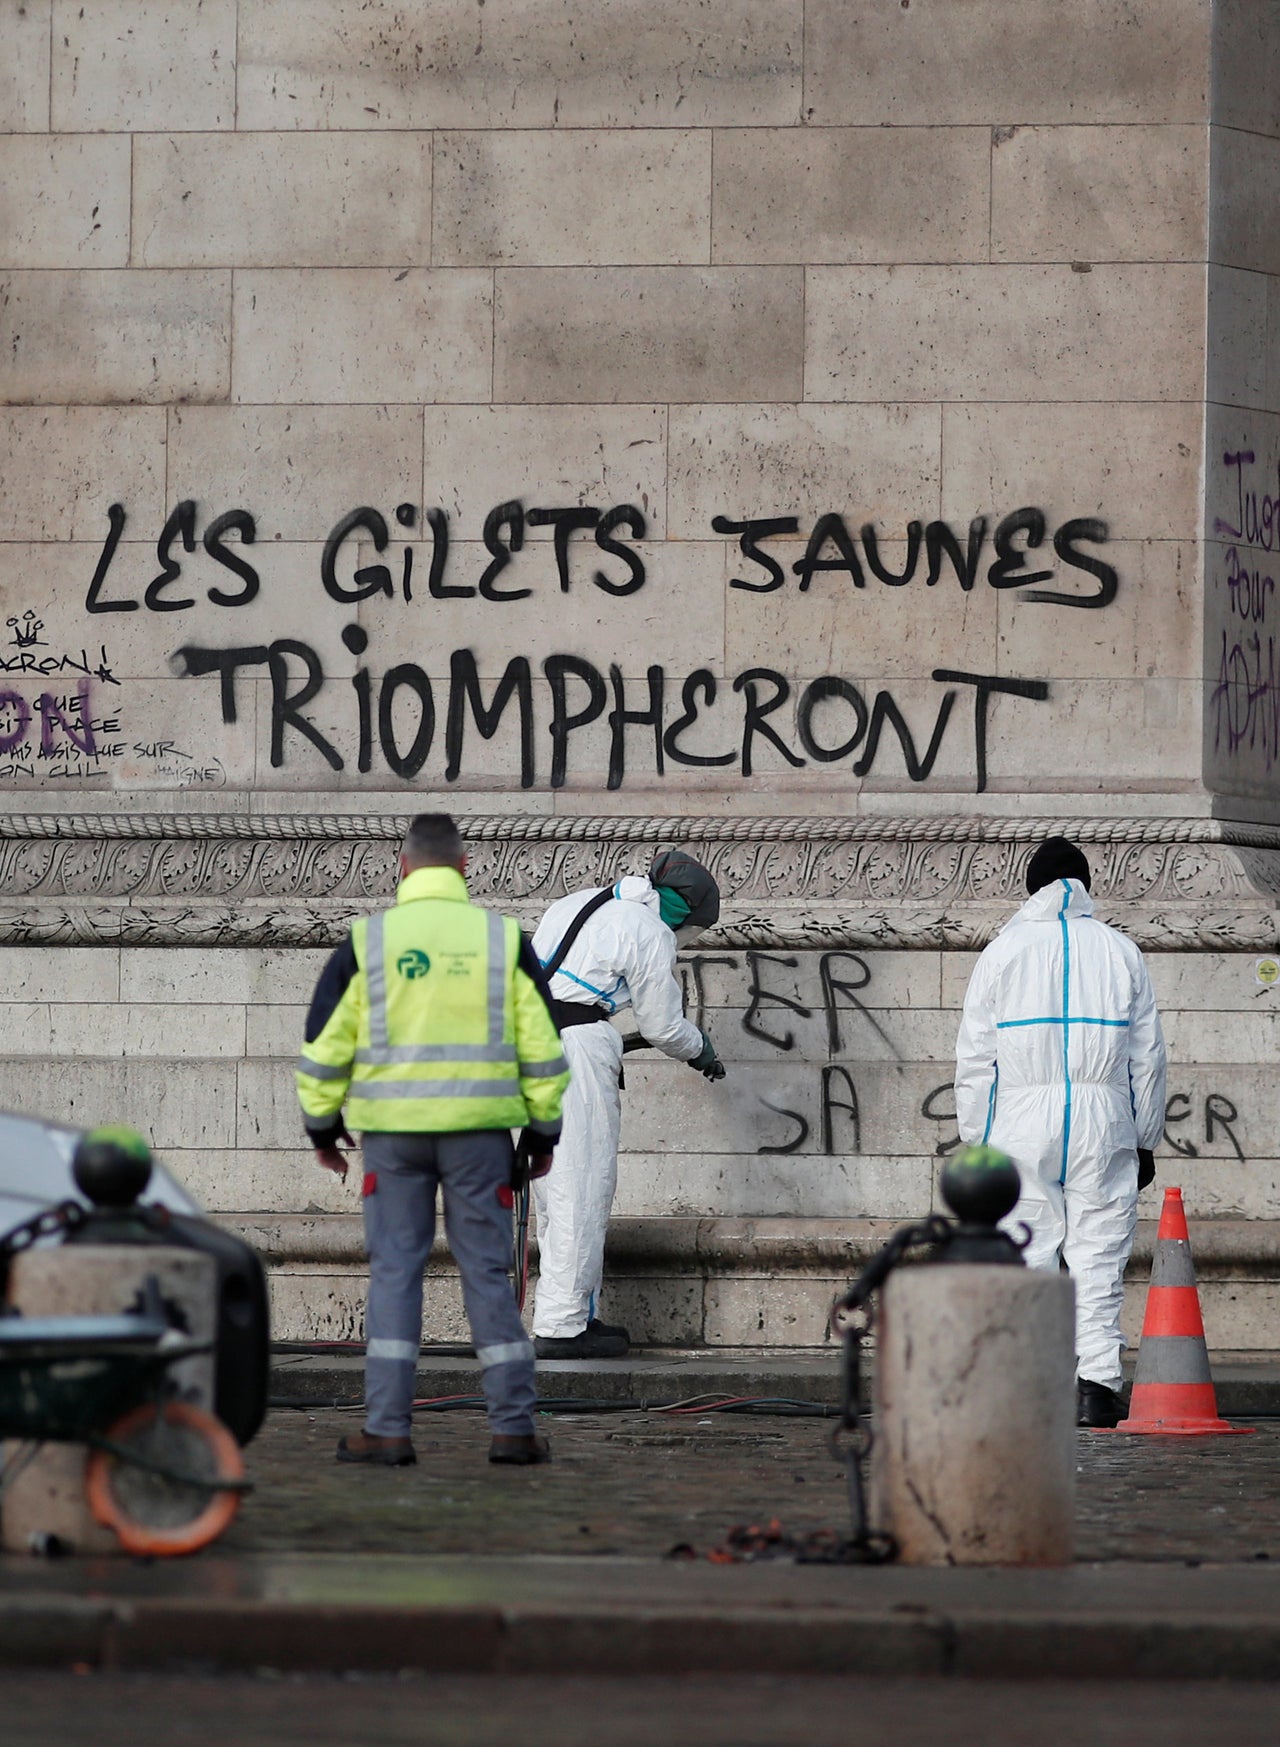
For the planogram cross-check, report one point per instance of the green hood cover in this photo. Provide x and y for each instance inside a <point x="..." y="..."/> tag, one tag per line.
<point x="673" y="908"/>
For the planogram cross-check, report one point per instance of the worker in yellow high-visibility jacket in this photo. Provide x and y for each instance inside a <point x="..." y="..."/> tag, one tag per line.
<point x="431" y="1025"/>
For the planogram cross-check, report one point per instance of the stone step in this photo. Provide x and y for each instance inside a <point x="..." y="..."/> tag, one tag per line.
<point x="1248" y="1385"/>
<point x="717" y="1283"/>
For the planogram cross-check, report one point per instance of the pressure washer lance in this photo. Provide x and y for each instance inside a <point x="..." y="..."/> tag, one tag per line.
<point x="980" y="1186"/>
<point x="515" y="1195"/>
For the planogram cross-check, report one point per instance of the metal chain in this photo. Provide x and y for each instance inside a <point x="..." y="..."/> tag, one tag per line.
<point x="66" y="1216"/>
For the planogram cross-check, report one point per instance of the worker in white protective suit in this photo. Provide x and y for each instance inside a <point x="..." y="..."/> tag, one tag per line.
<point x="1060" y="1063"/>
<point x="603" y="950"/>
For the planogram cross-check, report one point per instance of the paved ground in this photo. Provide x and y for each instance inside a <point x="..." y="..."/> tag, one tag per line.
<point x="737" y="1711"/>
<point x="454" y="1568"/>
<point x="638" y="1483"/>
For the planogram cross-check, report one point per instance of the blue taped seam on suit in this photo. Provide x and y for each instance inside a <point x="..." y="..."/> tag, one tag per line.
<point x="589" y="987"/>
<point x="991" y="1102"/>
<point x="1066" y="1026"/>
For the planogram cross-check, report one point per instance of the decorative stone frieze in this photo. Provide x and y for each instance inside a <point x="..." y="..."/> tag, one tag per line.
<point x="153" y="879"/>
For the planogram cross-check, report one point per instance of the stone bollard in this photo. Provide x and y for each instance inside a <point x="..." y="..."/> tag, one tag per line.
<point x="47" y="1498"/>
<point x="974" y="1456"/>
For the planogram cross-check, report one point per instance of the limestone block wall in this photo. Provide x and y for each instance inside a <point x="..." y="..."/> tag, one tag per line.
<point x="766" y="343"/>
<point x="740" y="1209"/>
<point x="1242" y="427"/>
<point x="782" y="424"/>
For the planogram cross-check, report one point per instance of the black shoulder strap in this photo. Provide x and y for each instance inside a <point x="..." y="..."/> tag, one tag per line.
<point x="575" y="929"/>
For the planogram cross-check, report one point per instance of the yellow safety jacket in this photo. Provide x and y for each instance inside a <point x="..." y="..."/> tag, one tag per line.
<point x="431" y="1018"/>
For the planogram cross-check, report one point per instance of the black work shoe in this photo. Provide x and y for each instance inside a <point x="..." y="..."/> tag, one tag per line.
<point x="382" y="1452"/>
<point x="599" y="1340"/>
<point x="1098" y="1406"/>
<point x="519" y="1452"/>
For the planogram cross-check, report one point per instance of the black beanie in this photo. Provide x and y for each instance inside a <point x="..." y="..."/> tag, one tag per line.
<point x="1057" y="858"/>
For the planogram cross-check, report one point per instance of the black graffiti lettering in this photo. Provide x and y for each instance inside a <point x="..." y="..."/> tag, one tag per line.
<point x="620" y="716"/>
<point x="93" y="603"/>
<point x="437" y="587"/>
<point x="565" y="523"/>
<point x="984" y="685"/>
<point x="748" y="533"/>
<point x="410" y="675"/>
<point x="625" y="515"/>
<point x="933" y="1109"/>
<point x="1010" y="568"/>
<point x="181" y="522"/>
<point x="73" y="716"/>
<point x="247" y="528"/>
<point x="356" y="639"/>
<point x="830" y="1104"/>
<point x="13" y="736"/>
<point x="1185" y="1148"/>
<point x="819" y="691"/>
<point x="464" y="692"/>
<point x="831" y="528"/>
<point x="559" y="669"/>
<point x="886" y="710"/>
<point x="940" y="543"/>
<point x="834" y="986"/>
<point x="691" y="969"/>
<point x="511" y="517"/>
<point x="753" y="721"/>
<point x="758" y="993"/>
<point x="192" y="662"/>
<point x="406" y="575"/>
<point x="372" y="578"/>
<point x="871" y="547"/>
<point x="802" y="1127"/>
<point x="1221" y="1113"/>
<point x="286" y="706"/>
<point x="702" y="681"/>
<point x="1064" y="544"/>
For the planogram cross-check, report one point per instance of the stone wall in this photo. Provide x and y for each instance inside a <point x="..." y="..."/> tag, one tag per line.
<point x="792" y="427"/>
<point x="1242" y="427"/>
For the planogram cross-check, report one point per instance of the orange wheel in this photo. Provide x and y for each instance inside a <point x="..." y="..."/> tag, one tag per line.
<point x="148" y="1512"/>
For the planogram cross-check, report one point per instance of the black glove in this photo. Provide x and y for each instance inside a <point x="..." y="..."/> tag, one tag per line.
<point x="1146" y="1167"/>
<point x="707" y="1062"/>
<point x="538" y="1150"/>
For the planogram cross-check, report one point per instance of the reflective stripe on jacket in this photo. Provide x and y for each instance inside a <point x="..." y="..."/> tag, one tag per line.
<point x="431" y="1019"/>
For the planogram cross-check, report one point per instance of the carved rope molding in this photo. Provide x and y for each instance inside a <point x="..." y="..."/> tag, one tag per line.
<point x="258" y="880"/>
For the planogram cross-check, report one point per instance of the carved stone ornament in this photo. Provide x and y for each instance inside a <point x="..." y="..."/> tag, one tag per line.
<point x="247" y="880"/>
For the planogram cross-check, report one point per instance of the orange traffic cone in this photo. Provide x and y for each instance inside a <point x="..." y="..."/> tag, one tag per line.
<point x="1173" y="1389"/>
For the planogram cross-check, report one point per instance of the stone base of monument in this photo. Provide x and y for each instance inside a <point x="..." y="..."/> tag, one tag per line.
<point x="974" y="1456"/>
<point x="46" y="1497"/>
<point x="725" y="1282"/>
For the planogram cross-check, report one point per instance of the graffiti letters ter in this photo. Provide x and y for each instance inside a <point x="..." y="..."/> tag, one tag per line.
<point x="397" y="713"/>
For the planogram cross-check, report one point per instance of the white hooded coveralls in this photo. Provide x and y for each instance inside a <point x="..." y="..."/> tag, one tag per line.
<point x="625" y="956"/>
<point x="1060" y="1063"/>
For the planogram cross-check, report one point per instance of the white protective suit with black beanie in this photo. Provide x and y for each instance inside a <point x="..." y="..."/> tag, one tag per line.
<point x="624" y="956"/>
<point x="1060" y="1063"/>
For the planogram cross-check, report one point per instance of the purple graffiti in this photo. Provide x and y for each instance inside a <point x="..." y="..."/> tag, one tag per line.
<point x="1250" y="589"/>
<point x="1246" y="698"/>
<point x="1257" y="520"/>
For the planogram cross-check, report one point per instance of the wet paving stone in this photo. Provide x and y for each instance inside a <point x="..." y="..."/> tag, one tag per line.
<point x="638" y="1483"/>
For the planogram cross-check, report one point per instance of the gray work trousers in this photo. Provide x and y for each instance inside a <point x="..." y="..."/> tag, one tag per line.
<point x="401" y="1175"/>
